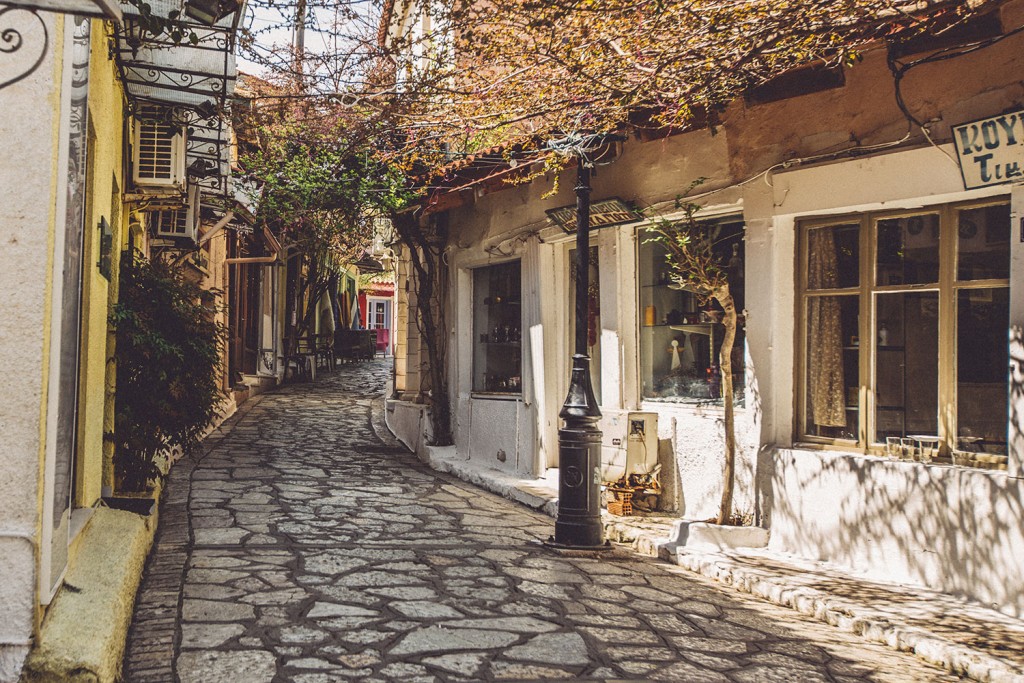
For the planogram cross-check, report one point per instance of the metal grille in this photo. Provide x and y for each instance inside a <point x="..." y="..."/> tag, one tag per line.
<point x="172" y="222"/>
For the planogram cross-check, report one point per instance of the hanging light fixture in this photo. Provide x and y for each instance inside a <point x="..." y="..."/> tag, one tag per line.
<point x="209" y="12"/>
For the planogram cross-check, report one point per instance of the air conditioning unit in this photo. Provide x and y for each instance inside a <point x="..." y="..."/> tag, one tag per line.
<point x="629" y="443"/>
<point x="158" y="151"/>
<point x="181" y="222"/>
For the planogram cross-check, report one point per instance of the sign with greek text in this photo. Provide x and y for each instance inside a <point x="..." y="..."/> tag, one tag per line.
<point x="991" y="151"/>
<point x="602" y="214"/>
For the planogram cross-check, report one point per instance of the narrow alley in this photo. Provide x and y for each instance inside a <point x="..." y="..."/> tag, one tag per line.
<point x="300" y="547"/>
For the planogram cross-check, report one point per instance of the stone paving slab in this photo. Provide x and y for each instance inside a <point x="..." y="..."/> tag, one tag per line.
<point x="329" y="555"/>
<point x="959" y="636"/>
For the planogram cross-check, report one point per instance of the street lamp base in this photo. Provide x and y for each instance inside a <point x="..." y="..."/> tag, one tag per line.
<point x="550" y="543"/>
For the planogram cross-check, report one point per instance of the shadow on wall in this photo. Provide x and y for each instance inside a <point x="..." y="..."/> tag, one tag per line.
<point x="672" y="492"/>
<point x="957" y="530"/>
<point x="699" y="457"/>
<point x="1016" y="435"/>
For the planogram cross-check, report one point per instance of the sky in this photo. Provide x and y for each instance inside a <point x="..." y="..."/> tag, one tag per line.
<point x="273" y="27"/>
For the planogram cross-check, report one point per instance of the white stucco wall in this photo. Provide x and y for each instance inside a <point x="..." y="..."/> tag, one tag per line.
<point x="954" y="529"/>
<point x="512" y="224"/>
<point x="957" y="530"/>
<point x="28" y="134"/>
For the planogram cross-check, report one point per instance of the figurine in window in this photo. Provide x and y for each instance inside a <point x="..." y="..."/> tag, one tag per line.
<point x="676" y="347"/>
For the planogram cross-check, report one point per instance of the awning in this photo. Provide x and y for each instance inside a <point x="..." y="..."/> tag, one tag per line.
<point x="194" y="79"/>
<point x="105" y="9"/>
<point x="157" y="70"/>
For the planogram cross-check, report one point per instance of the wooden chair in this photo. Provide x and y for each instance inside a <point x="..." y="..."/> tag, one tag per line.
<point x="301" y="359"/>
<point x="325" y="351"/>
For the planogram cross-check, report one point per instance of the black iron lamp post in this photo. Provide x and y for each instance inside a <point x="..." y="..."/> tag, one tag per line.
<point x="578" y="525"/>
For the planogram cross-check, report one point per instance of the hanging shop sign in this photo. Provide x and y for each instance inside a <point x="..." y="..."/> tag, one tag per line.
<point x="991" y="151"/>
<point x="602" y="214"/>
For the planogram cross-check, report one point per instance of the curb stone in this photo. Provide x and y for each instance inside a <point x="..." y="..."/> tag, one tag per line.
<point x="854" y="618"/>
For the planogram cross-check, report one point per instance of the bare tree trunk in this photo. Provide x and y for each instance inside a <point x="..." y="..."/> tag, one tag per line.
<point x="332" y="293"/>
<point x="426" y="254"/>
<point x="724" y="298"/>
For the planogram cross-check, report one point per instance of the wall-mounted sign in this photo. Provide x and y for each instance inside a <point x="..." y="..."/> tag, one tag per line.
<point x="991" y="151"/>
<point x="602" y="214"/>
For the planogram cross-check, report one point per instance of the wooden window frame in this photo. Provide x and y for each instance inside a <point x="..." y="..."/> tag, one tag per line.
<point x="948" y="289"/>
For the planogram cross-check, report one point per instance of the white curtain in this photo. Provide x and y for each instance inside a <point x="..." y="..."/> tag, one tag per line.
<point x="826" y="381"/>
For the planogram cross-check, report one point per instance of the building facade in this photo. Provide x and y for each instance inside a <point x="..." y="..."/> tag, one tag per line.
<point x="102" y="168"/>
<point x="881" y="309"/>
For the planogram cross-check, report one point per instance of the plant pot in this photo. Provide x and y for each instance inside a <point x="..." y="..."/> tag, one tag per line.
<point x="140" y="505"/>
<point x="708" y="536"/>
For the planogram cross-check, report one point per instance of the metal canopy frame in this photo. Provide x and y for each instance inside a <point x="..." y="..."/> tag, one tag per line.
<point x="103" y="9"/>
<point x="208" y="143"/>
<point x="158" y="70"/>
<point x="194" y="79"/>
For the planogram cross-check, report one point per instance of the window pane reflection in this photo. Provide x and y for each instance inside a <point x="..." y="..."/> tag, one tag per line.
<point x="906" y="365"/>
<point x="681" y="336"/>
<point x="908" y="250"/>
<point x="981" y="369"/>
<point x="497" y="326"/>
<point x="983" y="244"/>
<point x="832" y="376"/>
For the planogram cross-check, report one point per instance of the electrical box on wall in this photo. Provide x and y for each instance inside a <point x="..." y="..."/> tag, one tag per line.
<point x="629" y="443"/>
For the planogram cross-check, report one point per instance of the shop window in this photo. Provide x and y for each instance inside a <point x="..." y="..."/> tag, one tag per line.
<point x="497" y="329"/>
<point x="905" y="321"/>
<point x="681" y="335"/>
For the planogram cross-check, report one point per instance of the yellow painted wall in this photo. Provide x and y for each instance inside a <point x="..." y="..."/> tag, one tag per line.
<point x="51" y="232"/>
<point x="106" y="182"/>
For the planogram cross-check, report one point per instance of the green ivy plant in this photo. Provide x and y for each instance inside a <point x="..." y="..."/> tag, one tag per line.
<point x="168" y="356"/>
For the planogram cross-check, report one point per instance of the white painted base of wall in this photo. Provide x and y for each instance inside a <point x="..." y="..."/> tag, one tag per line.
<point x="956" y="530"/>
<point x="704" y="535"/>
<point x="12" y="658"/>
<point x="436" y="454"/>
<point x="410" y="423"/>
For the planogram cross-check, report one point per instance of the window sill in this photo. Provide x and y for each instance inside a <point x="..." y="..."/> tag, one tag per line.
<point x="839" y="451"/>
<point x="79" y="520"/>
<point x="653" y="405"/>
<point x="495" y="396"/>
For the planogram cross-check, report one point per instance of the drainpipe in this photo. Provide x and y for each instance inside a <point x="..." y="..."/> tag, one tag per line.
<point x="272" y="243"/>
<point x="217" y="227"/>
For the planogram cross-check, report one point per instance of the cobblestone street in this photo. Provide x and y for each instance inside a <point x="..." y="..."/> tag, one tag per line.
<point x="300" y="547"/>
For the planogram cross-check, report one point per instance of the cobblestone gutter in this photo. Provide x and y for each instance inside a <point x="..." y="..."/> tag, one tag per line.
<point x="84" y="633"/>
<point x="860" y="617"/>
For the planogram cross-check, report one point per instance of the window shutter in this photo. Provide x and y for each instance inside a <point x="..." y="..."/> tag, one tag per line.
<point x="180" y="222"/>
<point x="171" y="222"/>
